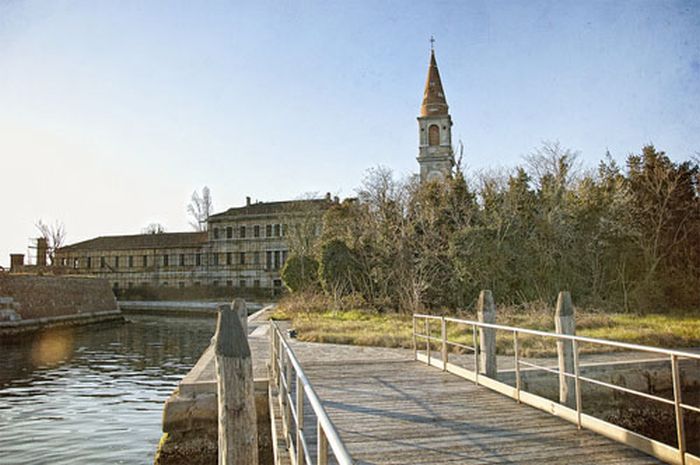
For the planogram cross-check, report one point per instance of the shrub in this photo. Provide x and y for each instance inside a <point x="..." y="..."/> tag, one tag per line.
<point x="300" y="273"/>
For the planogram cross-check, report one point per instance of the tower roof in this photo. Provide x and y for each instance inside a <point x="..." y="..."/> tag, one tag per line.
<point x="434" y="103"/>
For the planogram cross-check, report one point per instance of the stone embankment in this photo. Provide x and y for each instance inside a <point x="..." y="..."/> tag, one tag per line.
<point x="177" y="308"/>
<point x="29" y="302"/>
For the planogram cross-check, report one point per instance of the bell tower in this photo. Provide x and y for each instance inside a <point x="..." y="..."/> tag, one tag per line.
<point x="435" y="155"/>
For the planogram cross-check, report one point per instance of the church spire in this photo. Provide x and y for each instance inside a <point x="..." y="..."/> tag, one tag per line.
<point x="434" y="103"/>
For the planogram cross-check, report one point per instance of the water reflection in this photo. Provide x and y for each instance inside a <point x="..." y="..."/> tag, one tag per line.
<point x="94" y="394"/>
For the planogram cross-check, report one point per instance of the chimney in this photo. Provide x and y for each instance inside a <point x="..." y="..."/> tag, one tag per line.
<point x="328" y="196"/>
<point x="42" y="247"/>
<point x="16" y="261"/>
<point x="247" y="201"/>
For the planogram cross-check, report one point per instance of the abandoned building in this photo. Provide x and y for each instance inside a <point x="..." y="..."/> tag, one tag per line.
<point x="243" y="247"/>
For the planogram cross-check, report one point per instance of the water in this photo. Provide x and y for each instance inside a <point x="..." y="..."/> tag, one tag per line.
<point x="94" y="395"/>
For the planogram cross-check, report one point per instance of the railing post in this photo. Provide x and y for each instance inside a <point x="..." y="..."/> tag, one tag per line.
<point x="516" y="349"/>
<point x="443" y="330"/>
<point x="322" y="446"/>
<point x="565" y="323"/>
<point x="677" y="400"/>
<point x="427" y="340"/>
<point x="486" y="312"/>
<point x="415" y="342"/>
<point x="300" y="421"/>
<point x="577" y="385"/>
<point x="476" y="355"/>
<point x="287" y="397"/>
<point x="238" y="432"/>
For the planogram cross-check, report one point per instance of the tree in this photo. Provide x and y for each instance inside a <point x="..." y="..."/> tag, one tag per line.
<point x="55" y="236"/>
<point x="153" y="228"/>
<point x="200" y="208"/>
<point x="300" y="273"/>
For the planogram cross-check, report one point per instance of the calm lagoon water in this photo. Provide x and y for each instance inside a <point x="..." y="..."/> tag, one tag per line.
<point x="94" y="395"/>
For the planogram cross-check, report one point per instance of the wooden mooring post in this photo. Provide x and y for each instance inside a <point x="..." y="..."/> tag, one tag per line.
<point x="486" y="312"/>
<point x="565" y="323"/>
<point x="238" y="433"/>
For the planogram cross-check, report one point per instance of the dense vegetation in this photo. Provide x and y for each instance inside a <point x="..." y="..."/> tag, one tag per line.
<point x="617" y="238"/>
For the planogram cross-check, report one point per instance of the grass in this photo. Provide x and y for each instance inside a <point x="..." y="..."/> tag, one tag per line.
<point x="370" y="328"/>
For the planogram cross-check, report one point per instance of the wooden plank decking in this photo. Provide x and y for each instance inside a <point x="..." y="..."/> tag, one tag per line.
<point x="390" y="409"/>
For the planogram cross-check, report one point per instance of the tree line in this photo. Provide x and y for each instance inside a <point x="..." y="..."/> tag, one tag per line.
<point x="618" y="237"/>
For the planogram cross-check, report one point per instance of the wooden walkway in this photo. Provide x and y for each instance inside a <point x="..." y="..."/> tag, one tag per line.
<point x="389" y="409"/>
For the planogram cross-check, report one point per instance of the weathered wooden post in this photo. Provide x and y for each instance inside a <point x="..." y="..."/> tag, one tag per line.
<point x="565" y="323"/>
<point x="240" y="307"/>
<point x="238" y="432"/>
<point x="486" y="311"/>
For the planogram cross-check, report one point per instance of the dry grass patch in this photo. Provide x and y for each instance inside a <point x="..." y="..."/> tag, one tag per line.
<point x="315" y="323"/>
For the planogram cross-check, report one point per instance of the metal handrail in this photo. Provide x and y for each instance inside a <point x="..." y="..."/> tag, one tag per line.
<point x="575" y="340"/>
<point x="283" y="360"/>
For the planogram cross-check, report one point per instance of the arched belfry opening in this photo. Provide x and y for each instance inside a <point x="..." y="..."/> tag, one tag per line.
<point x="434" y="134"/>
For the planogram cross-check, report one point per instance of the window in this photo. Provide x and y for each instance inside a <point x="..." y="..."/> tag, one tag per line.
<point x="181" y="284"/>
<point x="229" y="232"/>
<point x="131" y="261"/>
<point x="268" y="230"/>
<point x="165" y="284"/>
<point x="116" y="262"/>
<point x="145" y="260"/>
<point x="89" y="262"/>
<point x="256" y="230"/>
<point x="284" y="257"/>
<point x="182" y="259"/>
<point x="284" y="230"/>
<point x="215" y="283"/>
<point x="145" y="284"/>
<point x="277" y="259"/>
<point x="256" y="257"/>
<point x="216" y="233"/>
<point x="216" y="259"/>
<point x="198" y="259"/>
<point x="433" y="135"/>
<point x="229" y="283"/>
<point x="268" y="261"/>
<point x="103" y="262"/>
<point x="116" y="286"/>
<point x="75" y="263"/>
<point x="241" y="283"/>
<point x="256" y="283"/>
<point x="277" y="283"/>
<point x="129" y="285"/>
<point x="242" y="232"/>
<point x="277" y="230"/>
<point x="166" y="260"/>
<point x="197" y="283"/>
<point x="241" y="258"/>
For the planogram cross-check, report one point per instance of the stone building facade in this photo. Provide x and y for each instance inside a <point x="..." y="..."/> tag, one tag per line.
<point x="243" y="247"/>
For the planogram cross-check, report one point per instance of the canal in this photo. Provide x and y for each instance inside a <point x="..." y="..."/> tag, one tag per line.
<point x="94" y="395"/>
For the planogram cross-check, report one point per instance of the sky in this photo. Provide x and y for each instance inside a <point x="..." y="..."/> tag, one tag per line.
<point x="113" y="112"/>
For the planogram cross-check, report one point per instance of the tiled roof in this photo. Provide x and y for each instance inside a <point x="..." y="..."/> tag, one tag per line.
<point x="140" y="241"/>
<point x="266" y="208"/>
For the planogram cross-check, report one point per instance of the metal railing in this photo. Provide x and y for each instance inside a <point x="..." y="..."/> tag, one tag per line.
<point x="292" y="396"/>
<point x="651" y="446"/>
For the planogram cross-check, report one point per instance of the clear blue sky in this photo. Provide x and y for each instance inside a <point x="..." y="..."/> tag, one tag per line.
<point x="112" y="113"/>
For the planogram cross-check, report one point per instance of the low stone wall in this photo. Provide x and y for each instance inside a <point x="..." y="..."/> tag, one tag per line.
<point x="31" y="302"/>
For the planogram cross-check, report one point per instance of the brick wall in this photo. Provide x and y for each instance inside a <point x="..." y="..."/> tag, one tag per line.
<point x="51" y="296"/>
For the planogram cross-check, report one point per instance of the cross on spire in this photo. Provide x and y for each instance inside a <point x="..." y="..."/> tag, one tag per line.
<point x="432" y="43"/>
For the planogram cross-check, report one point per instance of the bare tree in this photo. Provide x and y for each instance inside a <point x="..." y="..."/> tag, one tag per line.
<point x="55" y="236"/>
<point x="200" y="208"/>
<point x="153" y="228"/>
